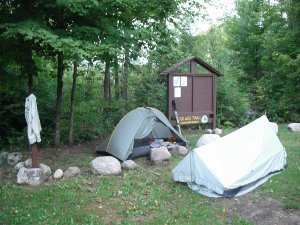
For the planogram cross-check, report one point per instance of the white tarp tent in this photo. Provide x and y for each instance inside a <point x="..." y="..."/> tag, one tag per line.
<point x="236" y="163"/>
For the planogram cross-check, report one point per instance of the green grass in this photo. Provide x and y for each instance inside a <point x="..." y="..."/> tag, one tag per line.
<point x="140" y="196"/>
<point x="147" y="195"/>
<point x="286" y="186"/>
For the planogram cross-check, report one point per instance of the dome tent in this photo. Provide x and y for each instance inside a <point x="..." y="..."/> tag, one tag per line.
<point x="130" y="136"/>
<point x="236" y="163"/>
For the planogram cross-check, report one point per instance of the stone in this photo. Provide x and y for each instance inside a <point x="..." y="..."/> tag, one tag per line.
<point x="3" y="157"/>
<point x="172" y="147"/>
<point x="160" y="154"/>
<point x="207" y="138"/>
<point x="295" y="127"/>
<point x="179" y="150"/>
<point x="105" y="165"/>
<point x="217" y="131"/>
<point x="19" y="165"/>
<point x="274" y="127"/>
<point x="72" y="172"/>
<point x="209" y="131"/>
<point x="58" y="174"/>
<point x="28" y="163"/>
<point x="14" y="158"/>
<point x="182" y="150"/>
<point x="32" y="177"/>
<point x="129" y="165"/>
<point x="46" y="169"/>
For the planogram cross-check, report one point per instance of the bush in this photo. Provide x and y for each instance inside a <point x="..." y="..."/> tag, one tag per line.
<point x="231" y="103"/>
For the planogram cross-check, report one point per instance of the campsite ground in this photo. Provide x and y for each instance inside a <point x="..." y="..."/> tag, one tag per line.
<point x="147" y="195"/>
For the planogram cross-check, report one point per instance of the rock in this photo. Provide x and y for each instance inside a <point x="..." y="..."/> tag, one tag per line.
<point x="207" y="138"/>
<point x="172" y="147"/>
<point x="58" y="174"/>
<point x="295" y="127"/>
<point x="274" y="127"/>
<point x="182" y="150"/>
<point x="72" y="172"/>
<point x="33" y="177"/>
<point x="46" y="169"/>
<point x="13" y="158"/>
<point x="129" y="165"/>
<point x="217" y="131"/>
<point x="105" y="165"/>
<point x="209" y="131"/>
<point x="19" y="165"/>
<point x="28" y="163"/>
<point x="160" y="154"/>
<point x="3" y="157"/>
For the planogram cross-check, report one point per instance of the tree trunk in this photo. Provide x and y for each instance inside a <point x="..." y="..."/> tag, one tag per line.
<point x="107" y="90"/>
<point x="60" y="72"/>
<point x="30" y="70"/>
<point x="125" y="81"/>
<point x="109" y="86"/>
<point x="71" y="118"/>
<point x="29" y="65"/>
<point x="116" y="68"/>
<point x="126" y="73"/>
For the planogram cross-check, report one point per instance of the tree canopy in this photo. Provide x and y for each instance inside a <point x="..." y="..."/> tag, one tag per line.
<point x="89" y="62"/>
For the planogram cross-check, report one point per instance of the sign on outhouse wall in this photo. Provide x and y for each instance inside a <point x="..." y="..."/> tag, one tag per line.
<point x="192" y="92"/>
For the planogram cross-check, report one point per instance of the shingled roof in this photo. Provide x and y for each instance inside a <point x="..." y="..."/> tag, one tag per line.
<point x="189" y="59"/>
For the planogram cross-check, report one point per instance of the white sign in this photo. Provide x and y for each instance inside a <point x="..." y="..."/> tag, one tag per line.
<point x="176" y="81"/>
<point x="204" y="119"/>
<point x="183" y="81"/>
<point x="177" y="92"/>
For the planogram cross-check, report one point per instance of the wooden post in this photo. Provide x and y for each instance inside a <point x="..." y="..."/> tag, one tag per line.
<point x="34" y="153"/>
<point x="214" y="88"/>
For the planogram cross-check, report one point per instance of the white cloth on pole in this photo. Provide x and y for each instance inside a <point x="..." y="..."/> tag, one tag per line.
<point x="32" y="119"/>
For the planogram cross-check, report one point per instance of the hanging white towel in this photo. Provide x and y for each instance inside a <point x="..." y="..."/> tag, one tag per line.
<point x="32" y="119"/>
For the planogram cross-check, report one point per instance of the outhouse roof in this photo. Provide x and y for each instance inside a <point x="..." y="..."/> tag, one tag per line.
<point x="189" y="59"/>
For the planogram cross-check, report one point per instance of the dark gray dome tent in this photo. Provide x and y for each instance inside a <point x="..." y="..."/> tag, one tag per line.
<point x="130" y="137"/>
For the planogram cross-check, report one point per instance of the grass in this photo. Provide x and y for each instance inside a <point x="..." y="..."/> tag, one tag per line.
<point x="140" y="196"/>
<point x="147" y="195"/>
<point x="286" y="186"/>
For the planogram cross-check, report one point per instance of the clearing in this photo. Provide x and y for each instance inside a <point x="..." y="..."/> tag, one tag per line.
<point x="147" y="195"/>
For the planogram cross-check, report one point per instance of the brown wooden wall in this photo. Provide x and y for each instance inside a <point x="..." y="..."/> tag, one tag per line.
<point x="195" y="96"/>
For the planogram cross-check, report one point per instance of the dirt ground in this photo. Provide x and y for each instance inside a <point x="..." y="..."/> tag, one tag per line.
<point x="252" y="206"/>
<point x="258" y="209"/>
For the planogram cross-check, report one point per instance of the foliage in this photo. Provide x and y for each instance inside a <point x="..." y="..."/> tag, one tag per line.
<point x="33" y="33"/>
<point x="231" y="103"/>
<point x="12" y="102"/>
<point x="265" y="40"/>
<point x="256" y="50"/>
<point x="149" y="88"/>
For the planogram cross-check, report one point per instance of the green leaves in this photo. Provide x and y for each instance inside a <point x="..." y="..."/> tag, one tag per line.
<point x="266" y="48"/>
<point x="80" y="7"/>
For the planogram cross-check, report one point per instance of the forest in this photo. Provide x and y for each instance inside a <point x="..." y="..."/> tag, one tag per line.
<point x="89" y="62"/>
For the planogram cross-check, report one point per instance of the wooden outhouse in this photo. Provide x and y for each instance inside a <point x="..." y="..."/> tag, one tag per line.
<point x="192" y="91"/>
